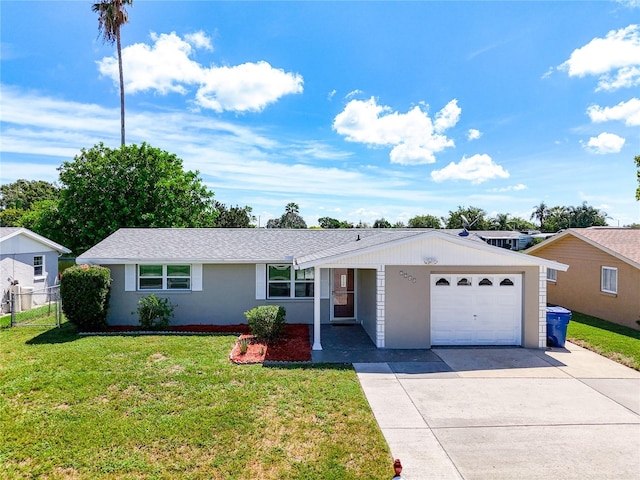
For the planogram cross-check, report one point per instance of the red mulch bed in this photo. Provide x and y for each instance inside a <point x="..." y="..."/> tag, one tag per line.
<point x="293" y="346"/>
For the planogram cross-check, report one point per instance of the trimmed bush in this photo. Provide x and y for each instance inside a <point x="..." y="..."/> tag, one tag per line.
<point x="266" y="321"/>
<point x="154" y="313"/>
<point x="85" y="291"/>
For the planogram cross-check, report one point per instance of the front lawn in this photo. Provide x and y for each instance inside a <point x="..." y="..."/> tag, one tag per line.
<point x="611" y="340"/>
<point x="175" y="407"/>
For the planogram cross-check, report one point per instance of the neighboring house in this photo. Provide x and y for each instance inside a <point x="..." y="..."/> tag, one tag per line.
<point x="510" y="239"/>
<point x="28" y="260"/>
<point x="604" y="278"/>
<point x="408" y="288"/>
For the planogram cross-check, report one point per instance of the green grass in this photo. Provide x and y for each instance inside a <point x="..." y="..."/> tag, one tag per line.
<point x="611" y="340"/>
<point x="155" y="407"/>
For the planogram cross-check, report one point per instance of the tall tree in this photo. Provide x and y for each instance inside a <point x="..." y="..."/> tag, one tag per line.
<point x="424" y="221"/>
<point x="540" y="213"/>
<point x="112" y="14"/>
<point x="233" y="217"/>
<point x="22" y="194"/>
<point x="328" y="223"/>
<point x="475" y="216"/>
<point x="290" y="218"/>
<point x="381" y="223"/>
<point x="132" y="186"/>
<point x="637" y="160"/>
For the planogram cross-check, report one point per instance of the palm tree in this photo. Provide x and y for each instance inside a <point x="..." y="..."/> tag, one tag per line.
<point x="111" y="16"/>
<point x="540" y="213"/>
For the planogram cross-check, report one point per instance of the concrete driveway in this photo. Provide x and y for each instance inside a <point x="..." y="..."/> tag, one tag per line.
<point x="508" y="413"/>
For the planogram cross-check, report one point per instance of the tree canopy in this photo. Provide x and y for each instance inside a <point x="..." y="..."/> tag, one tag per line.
<point x="328" y="222"/>
<point x="132" y="186"/>
<point x="475" y="216"/>
<point x="290" y="218"/>
<point x="637" y="160"/>
<point x="424" y="221"/>
<point x="22" y="194"/>
<point x="233" y="217"/>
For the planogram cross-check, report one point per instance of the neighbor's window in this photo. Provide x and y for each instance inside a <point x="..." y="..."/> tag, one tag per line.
<point x="38" y="266"/>
<point x="164" y="277"/>
<point x="285" y="282"/>
<point x="609" y="283"/>
<point x="552" y="275"/>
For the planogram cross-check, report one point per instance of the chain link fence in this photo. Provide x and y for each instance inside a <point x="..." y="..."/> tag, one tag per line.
<point x="36" y="308"/>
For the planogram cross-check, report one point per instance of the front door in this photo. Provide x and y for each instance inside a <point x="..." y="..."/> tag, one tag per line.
<point x="344" y="294"/>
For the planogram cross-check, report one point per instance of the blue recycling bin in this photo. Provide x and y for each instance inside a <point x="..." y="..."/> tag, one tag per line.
<point x="557" y="322"/>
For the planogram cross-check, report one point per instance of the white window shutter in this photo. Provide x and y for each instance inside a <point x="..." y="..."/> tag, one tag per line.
<point x="196" y="277"/>
<point x="129" y="278"/>
<point x="324" y="283"/>
<point x="261" y="281"/>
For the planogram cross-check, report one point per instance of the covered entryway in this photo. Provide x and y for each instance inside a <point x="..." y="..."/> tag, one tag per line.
<point x="476" y="309"/>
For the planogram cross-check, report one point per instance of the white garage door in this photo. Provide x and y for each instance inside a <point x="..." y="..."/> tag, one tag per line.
<point x="476" y="309"/>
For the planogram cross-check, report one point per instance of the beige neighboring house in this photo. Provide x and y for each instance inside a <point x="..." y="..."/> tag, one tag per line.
<point x="604" y="275"/>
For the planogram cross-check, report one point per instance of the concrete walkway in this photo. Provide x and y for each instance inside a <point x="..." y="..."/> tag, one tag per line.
<point x="508" y="413"/>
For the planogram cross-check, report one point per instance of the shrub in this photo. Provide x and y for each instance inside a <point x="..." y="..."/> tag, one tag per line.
<point x="154" y="313"/>
<point x="85" y="292"/>
<point x="266" y="321"/>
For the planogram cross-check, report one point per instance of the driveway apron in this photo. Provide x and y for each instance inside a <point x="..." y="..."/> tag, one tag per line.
<point x="508" y="413"/>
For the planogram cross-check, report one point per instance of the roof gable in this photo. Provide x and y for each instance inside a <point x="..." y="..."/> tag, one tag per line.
<point x="8" y="236"/>
<point x="622" y="243"/>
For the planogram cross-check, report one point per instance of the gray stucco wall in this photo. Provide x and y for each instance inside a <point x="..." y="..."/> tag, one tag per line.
<point x="227" y="292"/>
<point x="407" y="307"/>
<point x="407" y="304"/>
<point x="366" y="297"/>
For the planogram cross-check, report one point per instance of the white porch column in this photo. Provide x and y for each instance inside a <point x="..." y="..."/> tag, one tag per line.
<point x="316" y="309"/>
<point x="380" y="300"/>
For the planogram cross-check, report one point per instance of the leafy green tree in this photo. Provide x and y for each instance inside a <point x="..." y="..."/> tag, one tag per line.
<point x="424" y="221"/>
<point x="10" y="217"/>
<point x="500" y="222"/>
<point x="540" y="213"/>
<point x="112" y="14"/>
<point x="132" y="186"/>
<point x="290" y="218"/>
<point x="474" y="215"/>
<point x="584" y="216"/>
<point x="233" y="217"/>
<point x="381" y="223"/>
<point x="328" y="223"/>
<point x="44" y="219"/>
<point x="399" y="224"/>
<point x="520" y="224"/>
<point x="21" y="194"/>
<point x="637" y="160"/>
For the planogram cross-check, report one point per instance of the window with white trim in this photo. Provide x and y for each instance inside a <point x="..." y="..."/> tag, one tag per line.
<point x="164" y="277"/>
<point x="552" y="275"/>
<point x="285" y="282"/>
<point x="609" y="280"/>
<point x="38" y="266"/>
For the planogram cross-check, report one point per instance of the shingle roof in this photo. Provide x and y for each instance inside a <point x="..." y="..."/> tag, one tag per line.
<point x="623" y="241"/>
<point x="6" y="231"/>
<point x="231" y="245"/>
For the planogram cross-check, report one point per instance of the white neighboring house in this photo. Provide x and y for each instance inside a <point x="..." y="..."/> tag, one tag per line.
<point x="27" y="260"/>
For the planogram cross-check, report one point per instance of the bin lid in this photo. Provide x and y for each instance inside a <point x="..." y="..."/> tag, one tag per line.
<point x="27" y="289"/>
<point x="558" y="310"/>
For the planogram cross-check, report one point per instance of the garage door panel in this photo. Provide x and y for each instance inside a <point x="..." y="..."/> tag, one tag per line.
<point x="478" y="309"/>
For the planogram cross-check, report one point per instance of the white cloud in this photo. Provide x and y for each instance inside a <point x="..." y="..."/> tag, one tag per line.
<point x="605" y="143"/>
<point x="414" y="138"/>
<point x="477" y="169"/>
<point x="331" y="94"/>
<point x="473" y="134"/>
<point x="615" y="59"/>
<point x="199" y="40"/>
<point x="166" y="67"/>
<point x="510" y="188"/>
<point x="353" y="93"/>
<point x="629" y="112"/>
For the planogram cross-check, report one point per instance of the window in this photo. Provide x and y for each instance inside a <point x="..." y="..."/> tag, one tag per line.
<point x="280" y="279"/>
<point x="552" y="275"/>
<point x="164" y="277"/>
<point x="38" y="266"/>
<point x="609" y="282"/>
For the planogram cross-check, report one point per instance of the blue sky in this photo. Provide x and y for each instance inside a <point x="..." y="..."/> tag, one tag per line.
<point x="353" y="110"/>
